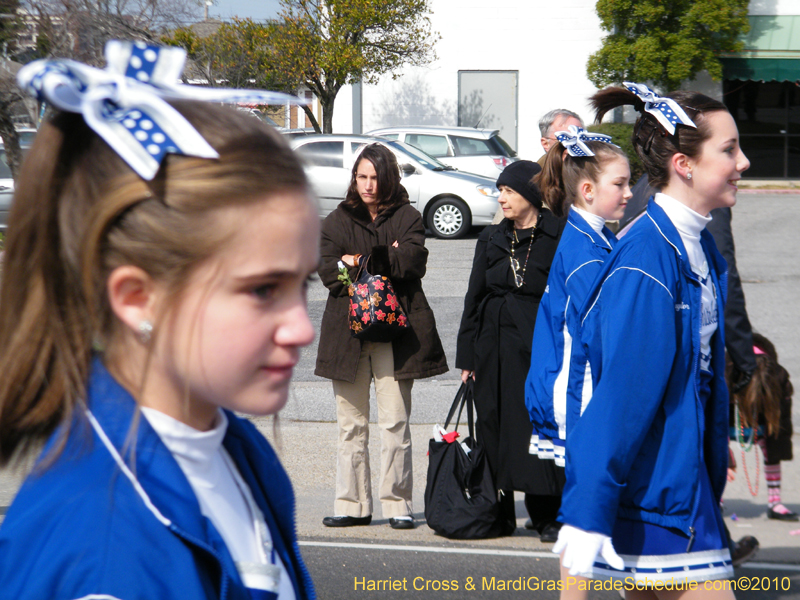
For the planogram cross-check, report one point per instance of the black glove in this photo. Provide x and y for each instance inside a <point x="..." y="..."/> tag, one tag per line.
<point x="740" y="380"/>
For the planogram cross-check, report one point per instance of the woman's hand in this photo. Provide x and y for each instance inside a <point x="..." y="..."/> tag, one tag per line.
<point x="466" y="374"/>
<point x="349" y="260"/>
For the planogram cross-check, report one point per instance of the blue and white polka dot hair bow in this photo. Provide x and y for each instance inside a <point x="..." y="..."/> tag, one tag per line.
<point x="574" y="140"/>
<point x="125" y="102"/>
<point x="668" y="112"/>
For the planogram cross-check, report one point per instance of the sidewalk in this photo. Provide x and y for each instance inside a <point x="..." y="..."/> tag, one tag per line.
<point x="308" y="452"/>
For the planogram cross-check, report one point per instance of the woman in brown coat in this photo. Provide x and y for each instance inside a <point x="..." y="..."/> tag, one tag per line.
<point x="376" y="221"/>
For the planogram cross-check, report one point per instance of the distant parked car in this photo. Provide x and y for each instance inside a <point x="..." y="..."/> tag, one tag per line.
<point x="6" y="189"/>
<point x="450" y="201"/>
<point x="480" y="151"/>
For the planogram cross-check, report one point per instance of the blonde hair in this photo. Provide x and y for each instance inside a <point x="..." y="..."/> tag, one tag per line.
<point x="79" y="212"/>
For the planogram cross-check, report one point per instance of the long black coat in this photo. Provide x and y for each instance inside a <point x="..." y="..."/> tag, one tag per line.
<point x="418" y="352"/>
<point x="495" y="339"/>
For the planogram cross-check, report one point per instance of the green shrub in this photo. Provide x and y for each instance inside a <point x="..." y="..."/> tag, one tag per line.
<point x="621" y="135"/>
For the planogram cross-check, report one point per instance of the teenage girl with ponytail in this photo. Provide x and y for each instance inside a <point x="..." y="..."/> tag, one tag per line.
<point x="647" y="461"/>
<point x="142" y="302"/>
<point x="587" y="176"/>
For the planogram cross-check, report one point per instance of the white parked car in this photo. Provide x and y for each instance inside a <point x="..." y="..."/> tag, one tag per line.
<point x="480" y="151"/>
<point x="450" y="201"/>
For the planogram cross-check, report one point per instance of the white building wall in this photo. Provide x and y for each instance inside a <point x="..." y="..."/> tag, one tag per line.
<point x="774" y="7"/>
<point x="547" y="42"/>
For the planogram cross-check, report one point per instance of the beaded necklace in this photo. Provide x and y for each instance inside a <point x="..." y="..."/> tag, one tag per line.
<point x="746" y="447"/>
<point x="519" y="278"/>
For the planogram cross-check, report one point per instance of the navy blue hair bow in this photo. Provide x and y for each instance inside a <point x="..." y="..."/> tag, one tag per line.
<point x="125" y="102"/>
<point x="668" y="112"/>
<point x="574" y="140"/>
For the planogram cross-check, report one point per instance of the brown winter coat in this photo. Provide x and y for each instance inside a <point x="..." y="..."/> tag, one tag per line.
<point x="418" y="353"/>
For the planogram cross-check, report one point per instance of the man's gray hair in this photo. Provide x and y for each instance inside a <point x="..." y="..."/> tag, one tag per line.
<point x="546" y="122"/>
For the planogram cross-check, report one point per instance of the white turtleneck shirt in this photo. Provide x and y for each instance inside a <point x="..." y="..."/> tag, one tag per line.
<point x="689" y="225"/>
<point x="225" y="499"/>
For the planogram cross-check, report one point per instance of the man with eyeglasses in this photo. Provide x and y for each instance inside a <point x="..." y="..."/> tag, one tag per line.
<point x="557" y="119"/>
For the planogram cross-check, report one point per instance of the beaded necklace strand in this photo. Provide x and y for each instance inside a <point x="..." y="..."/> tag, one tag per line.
<point x="519" y="279"/>
<point x="746" y="446"/>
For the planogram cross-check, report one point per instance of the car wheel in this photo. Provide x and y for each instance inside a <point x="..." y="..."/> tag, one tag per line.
<point x="449" y="218"/>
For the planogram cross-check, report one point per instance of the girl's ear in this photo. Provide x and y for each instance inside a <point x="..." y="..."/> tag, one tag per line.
<point x="586" y="190"/>
<point x="681" y="164"/>
<point x="132" y="296"/>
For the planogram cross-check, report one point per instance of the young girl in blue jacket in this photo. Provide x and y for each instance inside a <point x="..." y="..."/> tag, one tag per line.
<point x="154" y="282"/>
<point x="647" y="461"/>
<point x="588" y="176"/>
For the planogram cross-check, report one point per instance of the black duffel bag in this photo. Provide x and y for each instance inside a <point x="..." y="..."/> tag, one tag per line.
<point x="461" y="500"/>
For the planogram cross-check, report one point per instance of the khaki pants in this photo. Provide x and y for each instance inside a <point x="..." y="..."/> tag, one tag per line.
<point x="353" y="481"/>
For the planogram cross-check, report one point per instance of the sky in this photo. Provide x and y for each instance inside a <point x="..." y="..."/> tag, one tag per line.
<point x="258" y="10"/>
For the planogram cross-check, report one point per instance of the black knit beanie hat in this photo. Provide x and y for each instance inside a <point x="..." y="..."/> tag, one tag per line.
<point x="518" y="177"/>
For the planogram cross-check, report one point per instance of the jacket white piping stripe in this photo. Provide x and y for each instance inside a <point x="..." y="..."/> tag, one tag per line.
<point x="578" y="269"/>
<point x="124" y="468"/>
<point x="561" y="384"/>
<point x="609" y="277"/>
<point x="664" y="236"/>
<point x="587" y="235"/>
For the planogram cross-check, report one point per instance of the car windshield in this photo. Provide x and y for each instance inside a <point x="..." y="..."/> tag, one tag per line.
<point x="418" y="155"/>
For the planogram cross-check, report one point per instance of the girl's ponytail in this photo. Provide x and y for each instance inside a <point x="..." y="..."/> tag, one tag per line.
<point x="551" y="182"/>
<point x="654" y="145"/>
<point x="44" y="348"/>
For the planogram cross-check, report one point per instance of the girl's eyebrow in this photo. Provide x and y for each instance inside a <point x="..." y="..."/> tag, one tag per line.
<point x="268" y="275"/>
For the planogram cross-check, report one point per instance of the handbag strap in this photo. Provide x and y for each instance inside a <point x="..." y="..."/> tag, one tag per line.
<point x="458" y="402"/>
<point x="362" y="265"/>
<point x="465" y="396"/>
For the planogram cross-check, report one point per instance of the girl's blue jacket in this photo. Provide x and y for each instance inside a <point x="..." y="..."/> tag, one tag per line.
<point x="88" y="526"/>
<point x="551" y="391"/>
<point x="638" y="449"/>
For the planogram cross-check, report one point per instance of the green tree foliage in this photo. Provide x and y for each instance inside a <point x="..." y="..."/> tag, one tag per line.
<point x="236" y="55"/>
<point x="327" y="44"/>
<point x="665" y="41"/>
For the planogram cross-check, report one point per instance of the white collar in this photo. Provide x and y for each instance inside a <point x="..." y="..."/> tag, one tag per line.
<point x="195" y="447"/>
<point x="596" y="222"/>
<point x="688" y="222"/>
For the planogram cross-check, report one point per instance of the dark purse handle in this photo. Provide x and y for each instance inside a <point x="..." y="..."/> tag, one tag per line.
<point x="464" y="396"/>
<point x="362" y="266"/>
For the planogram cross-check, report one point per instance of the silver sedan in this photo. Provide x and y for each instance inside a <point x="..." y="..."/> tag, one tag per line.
<point x="450" y="201"/>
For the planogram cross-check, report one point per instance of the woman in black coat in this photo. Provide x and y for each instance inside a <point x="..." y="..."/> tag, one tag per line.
<point x="377" y="221"/>
<point x="509" y="276"/>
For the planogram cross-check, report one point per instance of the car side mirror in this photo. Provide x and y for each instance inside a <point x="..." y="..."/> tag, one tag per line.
<point x="408" y="169"/>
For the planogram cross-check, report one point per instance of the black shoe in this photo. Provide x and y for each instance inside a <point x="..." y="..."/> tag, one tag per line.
<point x="790" y="516"/>
<point x="345" y="521"/>
<point x="549" y="532"/>
<point x="744" y="550"/>
<point x="401" y="523"/>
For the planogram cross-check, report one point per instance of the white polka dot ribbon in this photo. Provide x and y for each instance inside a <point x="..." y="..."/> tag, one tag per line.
<point x="124" y="103"/>
<point x="668" y="112"/>
<point x="575" y="140"/>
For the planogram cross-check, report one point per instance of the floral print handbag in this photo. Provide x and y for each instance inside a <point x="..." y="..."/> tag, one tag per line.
<point x="375" y="311"/>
